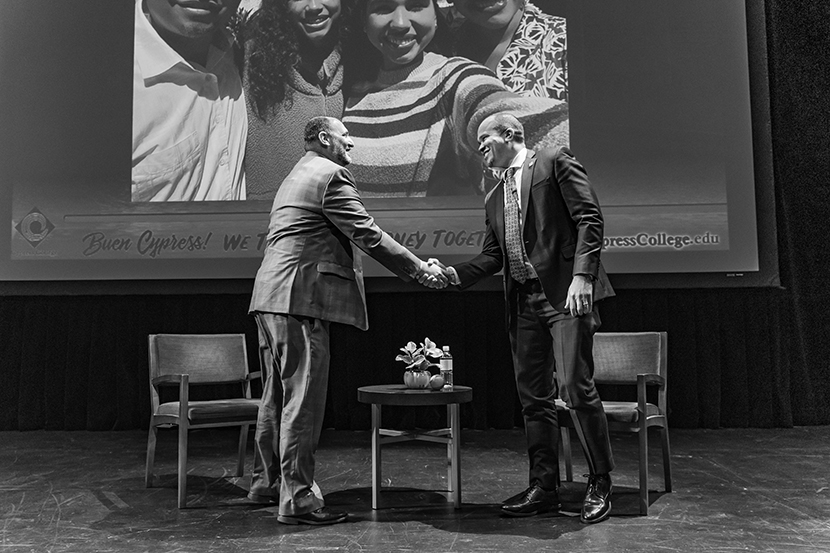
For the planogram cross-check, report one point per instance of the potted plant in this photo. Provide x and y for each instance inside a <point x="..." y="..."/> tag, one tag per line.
<point x="417" y="374"/>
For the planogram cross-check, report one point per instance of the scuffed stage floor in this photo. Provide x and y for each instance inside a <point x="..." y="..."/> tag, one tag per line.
<point x="734" y="490"/>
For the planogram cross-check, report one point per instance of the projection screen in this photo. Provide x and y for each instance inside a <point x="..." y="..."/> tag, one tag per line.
<point x="665" y="104"/>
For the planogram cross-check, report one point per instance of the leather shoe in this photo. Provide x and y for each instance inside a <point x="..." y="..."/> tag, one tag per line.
<point x="516" y="498"/>
<point x="532" y="501"/>
<point x="320" y="517"/>
<point x="597" y="504"/>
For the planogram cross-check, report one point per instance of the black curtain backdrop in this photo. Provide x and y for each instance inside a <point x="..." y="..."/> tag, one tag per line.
<point x="737" y="357"/>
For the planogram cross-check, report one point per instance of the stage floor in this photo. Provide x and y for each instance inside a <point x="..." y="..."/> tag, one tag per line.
<point x="734" y="490"/>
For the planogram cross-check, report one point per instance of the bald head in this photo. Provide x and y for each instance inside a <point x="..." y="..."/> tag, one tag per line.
<point x="500" y="138"/>
<point x="501" y="122"/>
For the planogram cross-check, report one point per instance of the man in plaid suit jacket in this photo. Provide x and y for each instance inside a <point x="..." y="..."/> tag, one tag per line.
<point x="310" y="277"/>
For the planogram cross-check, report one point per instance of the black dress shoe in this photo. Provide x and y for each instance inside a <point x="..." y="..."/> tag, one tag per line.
<point x="597" y="504"/>
<point x="532" y="501"/>
<point x="320" y="517"/>
<point x="516" y="498"/>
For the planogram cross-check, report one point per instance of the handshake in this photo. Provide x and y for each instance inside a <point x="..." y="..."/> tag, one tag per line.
<point x="434" y="274"/>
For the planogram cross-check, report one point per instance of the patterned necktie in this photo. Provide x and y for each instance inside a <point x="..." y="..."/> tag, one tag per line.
<point x="513" y="229"/>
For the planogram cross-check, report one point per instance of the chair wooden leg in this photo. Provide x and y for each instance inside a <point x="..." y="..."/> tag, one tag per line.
<point x="182" y="466"/>
<point x="376" y="476"/>
<point x="151" y="456"/>
<point x="643" y="462"/>
<point x="449" y="451"/>
<point x="455" y="436"/>
<point x="243" y="442"/>
<point x="565" y="434"/>
<point x="664" y="433"/>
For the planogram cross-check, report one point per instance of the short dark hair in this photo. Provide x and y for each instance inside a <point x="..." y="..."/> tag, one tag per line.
<point x="273" y="45"/>
<point x="315" y="126"/>
<point x="504" y="121"/>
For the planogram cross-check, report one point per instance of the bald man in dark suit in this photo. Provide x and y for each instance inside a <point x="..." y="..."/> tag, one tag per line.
<point x="545" y="231"/>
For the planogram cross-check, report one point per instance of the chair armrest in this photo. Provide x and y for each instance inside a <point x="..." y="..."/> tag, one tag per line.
<point x="651" y="378"/>
<point x="168" y="379"/>
<point x="660" y="380"/>
<point x="184" y="387"/>
<point x="643" y="380"/>
<point x="254" y="375"/>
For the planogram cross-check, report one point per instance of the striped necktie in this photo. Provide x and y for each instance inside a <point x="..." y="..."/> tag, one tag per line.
<point x="513" y="229"/>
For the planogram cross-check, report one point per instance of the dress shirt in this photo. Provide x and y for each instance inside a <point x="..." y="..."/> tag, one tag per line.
<point x="189" y="122"/>
<point x="517" y="163"/>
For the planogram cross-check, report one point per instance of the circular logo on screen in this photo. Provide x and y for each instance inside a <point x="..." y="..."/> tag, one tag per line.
<point x="35" y="227"/>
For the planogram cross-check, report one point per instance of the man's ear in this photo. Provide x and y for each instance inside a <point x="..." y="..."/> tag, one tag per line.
<point x="508" y="135"/>
<point x="323" y="137"/>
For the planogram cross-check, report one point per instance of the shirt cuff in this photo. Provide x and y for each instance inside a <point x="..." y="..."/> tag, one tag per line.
<point x="454" y="280"/>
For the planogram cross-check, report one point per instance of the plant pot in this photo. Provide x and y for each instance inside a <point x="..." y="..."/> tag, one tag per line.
<point x="416" y="379"/>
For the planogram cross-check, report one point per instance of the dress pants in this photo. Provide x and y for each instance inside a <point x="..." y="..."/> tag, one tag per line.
<point x="553" y="353"/>
<point x="294" y="355"/>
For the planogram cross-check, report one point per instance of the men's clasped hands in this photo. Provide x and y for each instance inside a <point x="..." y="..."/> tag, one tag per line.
<point x="434" y="274"/>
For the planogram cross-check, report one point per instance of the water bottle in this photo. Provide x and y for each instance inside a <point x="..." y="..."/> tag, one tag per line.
<point x="446" y="369"/>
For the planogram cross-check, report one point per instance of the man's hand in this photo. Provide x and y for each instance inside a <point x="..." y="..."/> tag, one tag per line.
<point x="431" y="276"/>
<point x="449" y="272"/>
<point x="580" y="298"/>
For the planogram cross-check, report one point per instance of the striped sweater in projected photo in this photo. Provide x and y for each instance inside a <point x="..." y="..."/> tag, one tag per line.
<point x="415" y="128"/>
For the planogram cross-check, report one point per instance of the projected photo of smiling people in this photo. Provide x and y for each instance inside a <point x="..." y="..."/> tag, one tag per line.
<point x="189" y="119"/>
<point x="293" y="72"/>
<point x="413" y="113"/>
<point x="525" y="47"/>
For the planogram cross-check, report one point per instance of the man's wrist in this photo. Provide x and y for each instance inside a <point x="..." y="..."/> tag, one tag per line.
<point x="454" y="280"/>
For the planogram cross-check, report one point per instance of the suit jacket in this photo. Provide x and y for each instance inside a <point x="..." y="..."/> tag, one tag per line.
<point x="562" y="230"/>
<point x="309" y="267"/>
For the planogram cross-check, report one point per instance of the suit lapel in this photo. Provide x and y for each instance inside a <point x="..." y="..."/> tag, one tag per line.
<point x="527" y="178"/>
